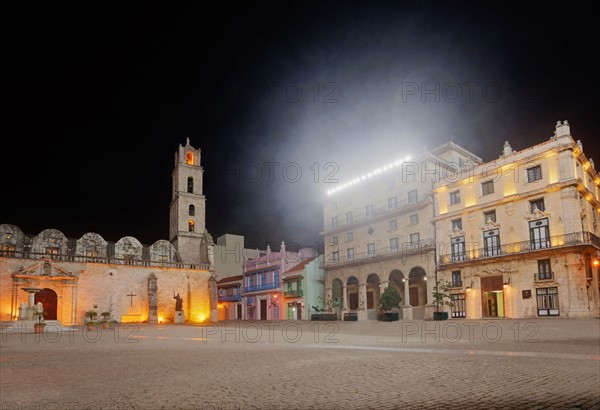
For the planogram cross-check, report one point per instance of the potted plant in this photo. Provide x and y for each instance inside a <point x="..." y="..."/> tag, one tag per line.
<point x="441" y="297"/>
<point x="321" y="313"/>
<point x="390" y="299"/>
<point x="90" y="322"/>
<point x="105" y="322"/>
<point x="41" y="324"/>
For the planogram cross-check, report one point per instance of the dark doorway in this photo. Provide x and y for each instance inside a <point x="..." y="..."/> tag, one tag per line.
<point x="48" y="298"/>
<point x="353" y="299"/>
<point x="239" y="312"/>
<point x="263" y="309"/>
<point x="413" y="295"/>
<point x="370" y="300"/>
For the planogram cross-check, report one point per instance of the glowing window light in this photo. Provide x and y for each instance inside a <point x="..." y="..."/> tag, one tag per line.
<point x="368" y="175"/>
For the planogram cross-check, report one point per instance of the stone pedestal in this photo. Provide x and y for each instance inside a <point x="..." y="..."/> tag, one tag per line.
<point x="362" y="314"/>
<point x="24" y="313"/>
<point x="429" y="309"/>
<point x="179" y="317"/>
<point x="407" y="313"/>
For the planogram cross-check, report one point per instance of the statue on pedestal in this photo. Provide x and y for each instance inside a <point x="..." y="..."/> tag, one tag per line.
<point x="178" y="303"/>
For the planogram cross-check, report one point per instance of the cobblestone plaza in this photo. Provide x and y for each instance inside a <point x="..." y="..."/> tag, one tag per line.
<point x="550" y="363"/>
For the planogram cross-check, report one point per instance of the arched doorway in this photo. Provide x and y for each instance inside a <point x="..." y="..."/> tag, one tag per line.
<point x="373" y="291"/>
<point x="396" y="280"/>
<point x="49" y="299"/>
<point x="418" y="287"/>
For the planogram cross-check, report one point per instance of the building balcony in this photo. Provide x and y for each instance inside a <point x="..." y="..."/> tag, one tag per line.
<point x="230" y="298"/>
<point x="377" y="214"/>
<point x="264" y="286"/>
<point x="404" y="250"/>
<point x="543" y="277"/>
<point x="288" y="294"/>
<point x="472" y="253"/>
<point x="456" y="284"/>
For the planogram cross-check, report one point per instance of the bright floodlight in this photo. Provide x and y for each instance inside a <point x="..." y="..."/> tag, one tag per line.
<point x="376" y="171"/>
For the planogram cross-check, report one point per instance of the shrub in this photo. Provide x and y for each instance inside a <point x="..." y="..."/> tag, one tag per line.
<point x="390" y="298"/>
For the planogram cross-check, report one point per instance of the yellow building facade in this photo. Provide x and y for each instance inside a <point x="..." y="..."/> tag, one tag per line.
<point x="518" y="236"/>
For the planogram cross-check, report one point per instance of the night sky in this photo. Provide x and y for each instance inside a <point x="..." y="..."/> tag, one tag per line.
<point x="97" y="100"/>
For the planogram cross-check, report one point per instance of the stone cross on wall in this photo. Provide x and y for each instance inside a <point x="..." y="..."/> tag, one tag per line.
<point x="131" y="295"/>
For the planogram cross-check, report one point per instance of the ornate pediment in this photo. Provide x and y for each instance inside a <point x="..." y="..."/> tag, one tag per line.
<point x="489" y="224"/>
<point x="457" y="232"/>
<point x="537" y="214"/>
<point x="44" y="268"/>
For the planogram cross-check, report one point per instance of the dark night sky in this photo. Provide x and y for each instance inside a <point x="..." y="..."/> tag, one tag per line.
<point x="99" y="99"/>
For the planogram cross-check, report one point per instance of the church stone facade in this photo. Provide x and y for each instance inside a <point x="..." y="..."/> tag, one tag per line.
<point x="135" y="282"/>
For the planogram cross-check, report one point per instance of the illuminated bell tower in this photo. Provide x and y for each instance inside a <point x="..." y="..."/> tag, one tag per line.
<point x="188" y="205"/>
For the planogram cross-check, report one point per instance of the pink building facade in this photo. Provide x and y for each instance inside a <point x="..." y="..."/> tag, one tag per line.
<point x="263" y="296"/>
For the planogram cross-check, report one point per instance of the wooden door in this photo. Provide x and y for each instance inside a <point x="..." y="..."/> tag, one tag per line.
<point x="263" y="309"/>
<point x="239" y="312"/>
<point x="370" y="300"/>
<point x="413" y="295"/>
<point x="48" y="298"/>
<point x="353" y="299"/>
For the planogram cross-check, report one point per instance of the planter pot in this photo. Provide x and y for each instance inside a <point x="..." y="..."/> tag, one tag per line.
<point x="324" y="316"/>
<point x="38" y="328"/>
<point x="91" y="327"/>
<point x="388" y="317"/>
<point x="351" y="317"/>
<point x="440" y="315"/>
<point x="105" y="325"/>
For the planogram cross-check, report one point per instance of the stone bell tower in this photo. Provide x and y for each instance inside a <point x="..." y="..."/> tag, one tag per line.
<point x="188" y="205"/>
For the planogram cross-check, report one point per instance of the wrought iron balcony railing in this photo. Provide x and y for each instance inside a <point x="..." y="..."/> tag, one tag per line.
<point x="456" y="284"/>
<point x="293" y="293"/>
<point x="230" y="298"/>
<point x="477" y="252"/>
<point x="401" y="206"/>
<point x="543" y="276"/>
<point x="404" y="249"/>
<point x="264" y="286"/>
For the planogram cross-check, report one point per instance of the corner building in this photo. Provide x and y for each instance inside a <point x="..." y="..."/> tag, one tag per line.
<point x="518" y="236"/>
<point x="515" y="237"/>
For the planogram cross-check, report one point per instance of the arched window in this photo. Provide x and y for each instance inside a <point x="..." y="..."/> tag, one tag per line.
<point x="189" y="158"/>
<point x="190" y="185"/>
<point x="192" y="210"/>
<point x="191" y="225"/>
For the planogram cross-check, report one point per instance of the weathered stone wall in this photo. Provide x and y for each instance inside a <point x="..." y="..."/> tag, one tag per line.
<point x="104" y="287"/>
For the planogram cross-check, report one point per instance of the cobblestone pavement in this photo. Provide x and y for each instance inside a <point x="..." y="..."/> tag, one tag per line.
<point x="550" y="363"/>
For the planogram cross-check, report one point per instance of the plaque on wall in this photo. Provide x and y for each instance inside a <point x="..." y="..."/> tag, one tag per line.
<point x="527" y="294"/>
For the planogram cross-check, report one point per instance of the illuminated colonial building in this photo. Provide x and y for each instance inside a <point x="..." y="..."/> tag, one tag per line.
<point x="515" y="237"/>
<point x="518" y="235"/>
<point x="379" y="232"/>
<point x="135" y="282"/>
